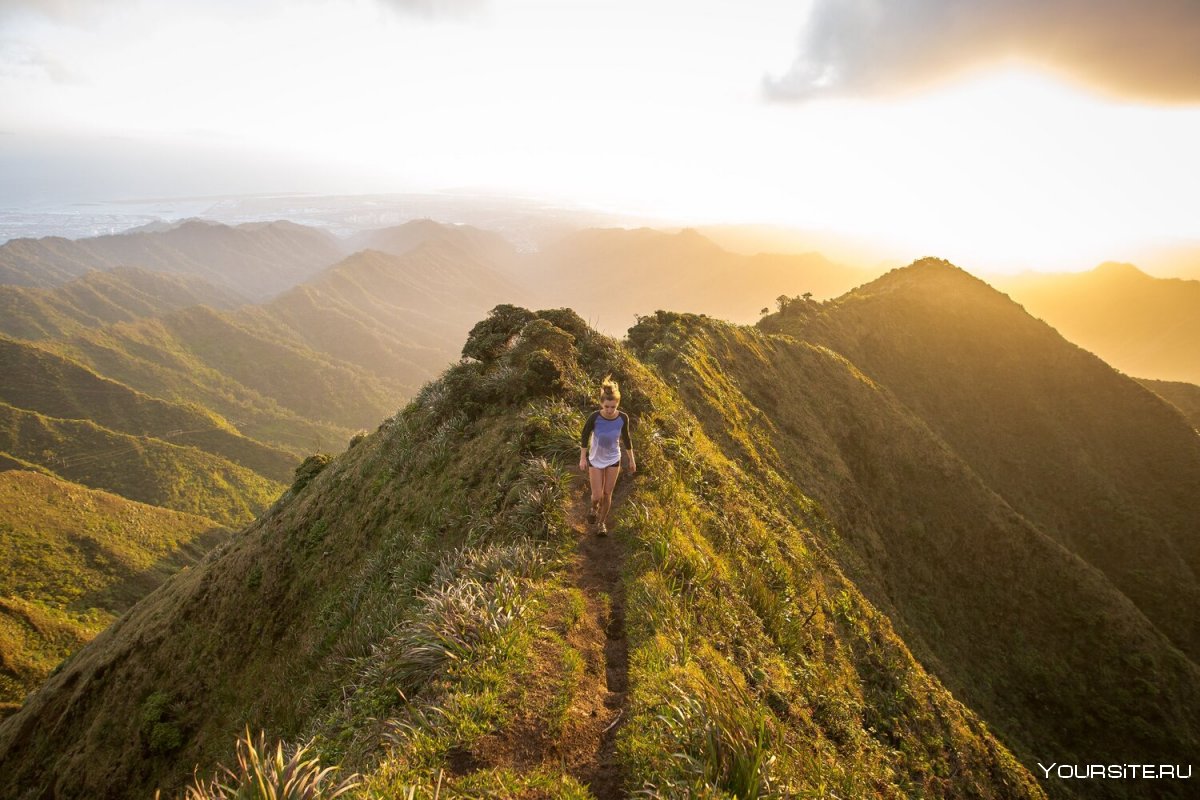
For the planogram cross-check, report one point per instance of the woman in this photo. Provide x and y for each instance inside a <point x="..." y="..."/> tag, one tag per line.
<point x="604" y="434"/>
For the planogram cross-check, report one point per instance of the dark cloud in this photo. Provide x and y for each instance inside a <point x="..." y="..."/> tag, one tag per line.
<point x="1147" y="49"/>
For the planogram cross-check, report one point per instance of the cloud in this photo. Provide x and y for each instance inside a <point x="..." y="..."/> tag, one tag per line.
<point x="1144" y="50"/>
<point x="69" y="11"/>
<point x="431" y="9"/>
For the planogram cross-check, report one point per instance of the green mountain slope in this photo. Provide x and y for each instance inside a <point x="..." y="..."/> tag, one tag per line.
<point x="40" y="381"/>
<point x="1096" y="461"/>
<point x="103" y="298"/>
<point x="71" y="560"/>
<point x="257" y="259"/>
<point x="1184" y="396"/>
<point x="243" y="368"/>
<point x="137" y="467"/>
<point x="1139" y="324"/>
<point x="422" y="607"/>
<point x="1025" y="633"/>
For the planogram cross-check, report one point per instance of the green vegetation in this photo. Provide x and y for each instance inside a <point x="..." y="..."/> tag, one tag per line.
<point x="1184" y="396"/>
<point x="140" y="468"/>
<point x="101" y="298"/>
<point x="71" y="559"/>
<point x="57" y="387"/>
<point x="819" y="590"/>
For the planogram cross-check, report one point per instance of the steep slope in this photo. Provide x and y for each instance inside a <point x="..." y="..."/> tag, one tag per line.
<point x="243" y="367"/>
<point x="36" y="380"/>
<point x="417" y="612"/>
<point x="257" y="259"/>
<point x="1184" y="396"/>
<point x="397" y="315"/>
<point x="137" y="467"/>
<point x="1042" y="646"/>
<point x="1096" y="461"/>
<point x="1144" y="326"/>
<point x="610" y="275"/>
<point x="71" y="560"/>
<point x="103" y="298"/>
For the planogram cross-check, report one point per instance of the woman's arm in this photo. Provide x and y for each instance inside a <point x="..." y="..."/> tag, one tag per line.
<point x="585" y="440"/>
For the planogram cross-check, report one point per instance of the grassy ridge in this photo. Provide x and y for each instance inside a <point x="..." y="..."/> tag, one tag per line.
<point x="1089" y="456"/>
<point x="412" y="615"/>
<point x="71" y="559"/>
<point x="140" y="468"/>
<point x="1006" y="618"/>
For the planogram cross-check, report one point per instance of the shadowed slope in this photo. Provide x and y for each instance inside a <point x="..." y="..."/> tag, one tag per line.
<point x="1096" y="461"/>
<point x="1024" y="632"/>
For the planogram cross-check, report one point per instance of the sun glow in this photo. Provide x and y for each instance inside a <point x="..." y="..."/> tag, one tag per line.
<point x="1002" y="169"/>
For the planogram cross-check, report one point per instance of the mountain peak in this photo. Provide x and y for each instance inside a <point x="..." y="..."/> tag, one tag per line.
<point x="1118" y="269"/>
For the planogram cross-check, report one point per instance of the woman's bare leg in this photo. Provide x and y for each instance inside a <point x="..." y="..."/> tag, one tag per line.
<point x="596" y="478"/>
<point x="609" y="482"/>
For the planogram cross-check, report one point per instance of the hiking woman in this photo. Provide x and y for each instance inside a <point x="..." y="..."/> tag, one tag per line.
<point x="604" y="434"/>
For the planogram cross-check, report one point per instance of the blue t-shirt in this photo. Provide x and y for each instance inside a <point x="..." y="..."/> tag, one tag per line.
<point x="607" y="436"/>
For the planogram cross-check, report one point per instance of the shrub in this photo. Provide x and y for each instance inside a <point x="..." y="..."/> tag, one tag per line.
<point x="265" y="775"/>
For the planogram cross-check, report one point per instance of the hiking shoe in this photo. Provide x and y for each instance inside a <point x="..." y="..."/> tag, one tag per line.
<point x="591" y="517"/>
<point x="602" y="529"/>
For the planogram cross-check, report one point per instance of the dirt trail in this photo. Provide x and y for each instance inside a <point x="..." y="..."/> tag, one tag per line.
<point x="596" y="571"/>
<point x="585" y="747"/>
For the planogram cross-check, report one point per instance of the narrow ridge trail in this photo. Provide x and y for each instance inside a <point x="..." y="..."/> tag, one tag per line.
<point x="596" y="571"/>
<point x="585" y="746"/>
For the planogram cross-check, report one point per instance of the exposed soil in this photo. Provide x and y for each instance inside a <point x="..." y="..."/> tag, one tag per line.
<point x="586" y="745"/>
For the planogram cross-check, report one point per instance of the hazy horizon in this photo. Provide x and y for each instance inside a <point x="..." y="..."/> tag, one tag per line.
<point x="1002" y="136"/>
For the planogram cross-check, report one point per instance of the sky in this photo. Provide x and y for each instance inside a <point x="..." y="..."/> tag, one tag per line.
<point x="1023" y="133"/>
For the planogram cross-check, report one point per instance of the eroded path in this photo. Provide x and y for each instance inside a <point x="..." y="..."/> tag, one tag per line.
<point x="584" y="744"/>
<point x="596" y="571"/>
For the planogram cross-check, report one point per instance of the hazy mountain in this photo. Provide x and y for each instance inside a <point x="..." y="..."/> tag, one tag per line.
<point x="1089" y="456"/>
<point x="103" y="298"/>
<point x="1144" y="326"/>
<point x="609" y="275"/>
<point x="256" y="259"/>
<point x="397" y="315"/>
<point x="1184" y="396"/>
<point x="476" y="244"/>
<point x="71" y="560"/>
<point x="816" y="584"/>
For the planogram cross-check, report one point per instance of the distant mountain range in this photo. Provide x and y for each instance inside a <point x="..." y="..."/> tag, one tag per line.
<point x="907" y="542"/>
<point x="260" y="259"/>
<point x="611" y="275"/>
<point x="1144" y="326"/>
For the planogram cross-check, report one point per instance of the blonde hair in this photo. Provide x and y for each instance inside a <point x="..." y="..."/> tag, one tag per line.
<point x="609" y="390"/>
